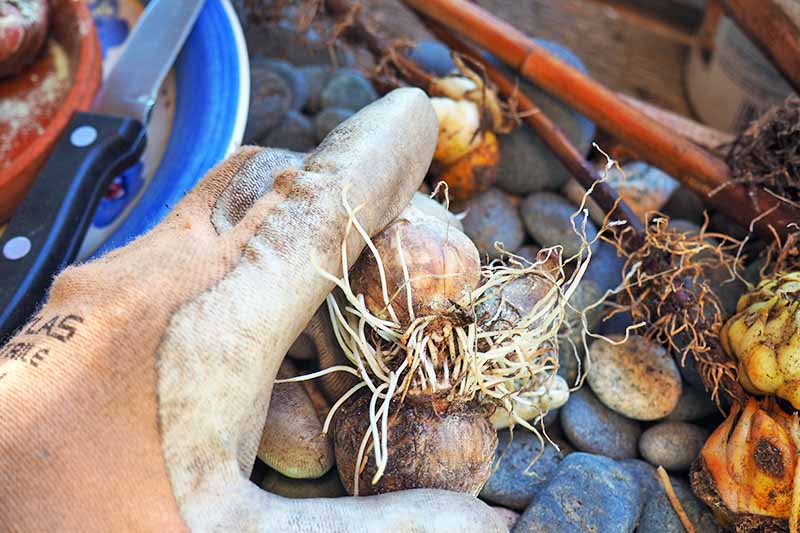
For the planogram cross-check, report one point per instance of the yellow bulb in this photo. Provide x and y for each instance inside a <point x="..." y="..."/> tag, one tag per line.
<point x="764" y="335"/>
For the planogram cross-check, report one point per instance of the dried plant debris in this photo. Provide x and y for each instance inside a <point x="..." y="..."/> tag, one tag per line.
<point x="767" y="154"/>
<point x="667" y="291"/>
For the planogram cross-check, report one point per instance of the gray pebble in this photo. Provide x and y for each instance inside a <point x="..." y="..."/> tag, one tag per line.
<point x="690" y="373"/>
<point x="270" y="98"/>
<point x="316" y="77"/>
<point x="509" y="485"/>
<point x="586" y="493"/>
<point x="329" y="118"/>
<point x="673" y="445"/>
<point x="686" y="204"/>
<point x="527" y="165"/>
<point x="592" y="427"/>
<point x="724" y="224"/>
<point x="349" y="89"/>
<point x="692" y="405"/>
<point x="547" y="218"/>
<point x="433" y="208"/>
<point x="285" y="41"/>
<point x="658" y="516"/>
<point x="528" y="251"/>
<point x="295" y="132"/>
<point x="638" y="378"/>
<point x="605" y="268"/>
<point x="508" y="516"/>
<point x="492" y="217"/>
<point x="292" y="76"/>
<point x="568" y="356"/>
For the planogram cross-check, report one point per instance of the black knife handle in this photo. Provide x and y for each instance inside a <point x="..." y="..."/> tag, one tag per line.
<point x="46" y="231"/>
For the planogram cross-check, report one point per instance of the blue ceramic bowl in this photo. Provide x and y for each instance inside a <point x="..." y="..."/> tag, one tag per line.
<point x="212" y="91"/>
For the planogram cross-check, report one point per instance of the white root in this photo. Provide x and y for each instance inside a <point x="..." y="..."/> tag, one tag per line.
<point x="504" y="366"/>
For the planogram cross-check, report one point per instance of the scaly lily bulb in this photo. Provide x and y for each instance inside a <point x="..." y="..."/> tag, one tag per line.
<point x="748" y="463"/>
<point x="764" y="335"/>
<point x="470" y="114"/>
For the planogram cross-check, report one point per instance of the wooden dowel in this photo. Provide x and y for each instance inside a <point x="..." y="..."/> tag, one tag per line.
<point x="658" y="145"/>
<point x="774" y="26"/>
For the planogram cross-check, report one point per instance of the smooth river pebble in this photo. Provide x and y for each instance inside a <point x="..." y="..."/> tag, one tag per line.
<point x="316" y="77"/>
<point x="658" y="516"/>
<point x="692" y="405"/>
<point x="295" y="132"/>
<point x="269" y="101"/>
<point x="509" y="485"/>
<point x="526" y="164"/>
<point x="638" y="378"/>
<point x="293" y="78"/>
<point x="349" y="89"/>
<point x="547" y="218"/>
<point x="673" y="445"/>
<point x="492" y="218"/>
<point x="586" y="493"/>
<point x="329" y="118"/>
<point x="645" y="475"/>
<point x="592" y="427"/>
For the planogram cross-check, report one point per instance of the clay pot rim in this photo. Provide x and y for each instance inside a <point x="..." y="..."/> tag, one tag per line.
<point x="85" y="82"/>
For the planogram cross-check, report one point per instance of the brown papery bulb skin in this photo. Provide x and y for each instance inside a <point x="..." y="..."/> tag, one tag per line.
<point x="443" y="266"/>
<point x="746" y="469"/>
<point x="450" y="449"/>
<point x="474" y="173"/>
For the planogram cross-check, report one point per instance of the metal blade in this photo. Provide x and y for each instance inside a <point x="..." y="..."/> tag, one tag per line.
<point x="132" y="85"/>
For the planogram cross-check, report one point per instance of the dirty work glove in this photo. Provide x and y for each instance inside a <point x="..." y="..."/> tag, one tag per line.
<point x="136" y="397"/>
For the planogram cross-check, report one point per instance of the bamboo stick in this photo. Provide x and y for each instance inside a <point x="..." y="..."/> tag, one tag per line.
<point x="699" y="170"/>
<point x="773" y="27"/>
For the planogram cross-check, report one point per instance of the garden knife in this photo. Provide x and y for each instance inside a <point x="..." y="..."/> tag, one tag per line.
<point x="47" y="229"/>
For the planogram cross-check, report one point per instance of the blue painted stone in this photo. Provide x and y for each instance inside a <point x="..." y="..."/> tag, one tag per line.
<point x="586" y="493"/>
<point x="349" y="89"/>
<point x="509" y="485"/>
<point x="433" y="57"/>
<point x="329" y="118"/>
<point x="547" y="219"/>
<point x="592" y="427"/>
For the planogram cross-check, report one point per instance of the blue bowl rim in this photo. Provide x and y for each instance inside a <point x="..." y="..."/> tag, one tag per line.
<point x="212" y="82"/>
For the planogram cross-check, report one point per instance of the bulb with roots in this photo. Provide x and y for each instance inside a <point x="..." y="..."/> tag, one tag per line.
<point x="440" y="344"/>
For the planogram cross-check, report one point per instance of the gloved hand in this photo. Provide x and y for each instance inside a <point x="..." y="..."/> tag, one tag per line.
<point x="136" y="397"/>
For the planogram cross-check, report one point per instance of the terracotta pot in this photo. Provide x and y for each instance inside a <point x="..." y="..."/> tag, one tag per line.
<point x="72" y="29"/>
